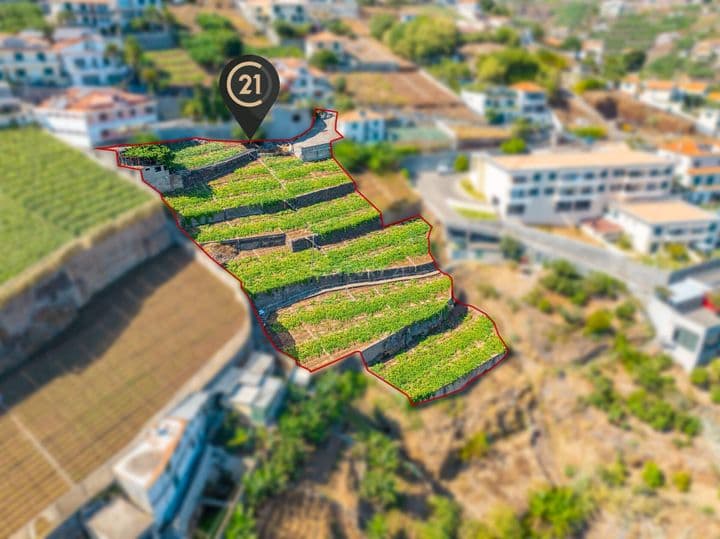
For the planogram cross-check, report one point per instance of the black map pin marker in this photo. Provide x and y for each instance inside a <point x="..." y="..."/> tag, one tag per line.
<point x="249" y="85"/>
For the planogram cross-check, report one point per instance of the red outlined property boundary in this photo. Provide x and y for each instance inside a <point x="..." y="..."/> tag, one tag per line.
<point x="268" y="335"/>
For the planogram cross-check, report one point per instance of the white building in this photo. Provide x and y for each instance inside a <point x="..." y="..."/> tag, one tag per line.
<point x="86" y="62"/>
<point x="686" y="323"/>
<point x="358" y="53"/>
<point x="563" y="188"/>
<point x="697" y="166"/>
<point x="706" y="50"/>
<point x="505" y="105"/>
<point x="93" y="117"/>
<point x="362" y="126"/>
<point x="253" y="391"/>
<point x="12" y="110"/>
<point x="708" y="121"/>
<point x="28" y="58"/>
<point x="104" y="15"/>
<point x="169" y="461"/>
<point x="264" y="13"/>
<point x="302" y="81"/>
<point x="651" y="225"/>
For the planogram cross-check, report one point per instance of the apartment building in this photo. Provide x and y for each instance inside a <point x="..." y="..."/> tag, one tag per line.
<point x="363" y="126"/>
<point x="87" y="61"/>
<point x="686" y="322"/>
<point x="652" y="224"/>
<point x="93" y="117"/>
<point x="28" y="58"/>
<point x="697" y="168"/>
<point x="264" y="13"/>
<point x="106" y="16"/>
<point x="506" y="104"/>
<point x="169" y="462"/>
<point x="565" y="187"/>
<point x="303" y="82"/>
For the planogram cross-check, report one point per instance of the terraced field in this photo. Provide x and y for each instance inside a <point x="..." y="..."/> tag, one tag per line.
<point x="50" y="194"/>
<point x="328" y="280"/>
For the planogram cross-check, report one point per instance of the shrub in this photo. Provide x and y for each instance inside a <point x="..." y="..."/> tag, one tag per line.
<point x="593" y="132"/>
<point x="511" y="248"/>
<point x="715" y="394"/>
<point x="677" y="251"/>
<point x="589" y="84"/>
<point x="544" y="306"/>
<point x="652" y="410"/>
<point x="513" y="146"/>
<point x="324" y="59"/>
<point x="700" y="376"/>
<point x="599" y="323"/>
<point x="475" y="448"/>
<point x="599" y="284"/>
<point x="615" y="474"/>
<point x="652" y="475"/>
<point x="462" y="163"/>
<point x="688" y="424"/>
<point x="557" y="512"/>
<point x="682" y="481"/>
<point x="626" y="311"/>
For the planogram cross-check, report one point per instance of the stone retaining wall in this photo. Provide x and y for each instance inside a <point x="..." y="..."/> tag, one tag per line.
<point x="254" y="242"/>
<point x="406" y="337"/>
<point x="287" y="295"/>
<point x="216" y="170"/>
<point x="461" y="382"/>
<point x="300" y="244"/>
<point x="34" y="313"/>
<point x="308" y="199"/>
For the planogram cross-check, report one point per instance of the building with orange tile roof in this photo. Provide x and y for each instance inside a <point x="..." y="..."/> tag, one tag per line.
<point x="303" y="82"/>
<point x="697" y="166"/>
<point x="362" y="125"/>
<point x="90" y="117"/>
<point x="567" y="187"/>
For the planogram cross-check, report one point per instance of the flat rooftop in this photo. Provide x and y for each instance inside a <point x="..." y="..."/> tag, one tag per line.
<point x="611" y="156"/>
<point x="666" y="211"/>
<point x="75" y="405"/>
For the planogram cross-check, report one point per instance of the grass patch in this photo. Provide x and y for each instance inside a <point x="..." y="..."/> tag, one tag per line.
<point x="477" y="215"/>
<point x="177" y="68"/>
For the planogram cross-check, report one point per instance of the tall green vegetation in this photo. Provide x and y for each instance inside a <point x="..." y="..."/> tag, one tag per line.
<point x="423" y="39"/>
<point x="379" y="157"/>
<point x="303" y="425"/>
<point x="217" y="41"/>
<point x="16" y="16"/>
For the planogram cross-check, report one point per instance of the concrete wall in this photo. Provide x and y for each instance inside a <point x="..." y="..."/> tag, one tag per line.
<point x="33" y="314"/>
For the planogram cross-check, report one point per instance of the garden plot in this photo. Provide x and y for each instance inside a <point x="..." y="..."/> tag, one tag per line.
<point x="393" y="247"/>
<point x="444" y="358"/>
<point x="336" y="323"/>
<point x="51" y="193"/>
<point x="267" y="182"/>
<point x="321" y="220"/>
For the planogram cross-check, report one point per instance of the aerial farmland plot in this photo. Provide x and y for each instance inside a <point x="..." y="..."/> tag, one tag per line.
<point x="328" y="278"/>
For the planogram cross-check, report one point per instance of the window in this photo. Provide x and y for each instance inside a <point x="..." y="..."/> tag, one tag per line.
<point x="589" y="175"/>
<point x="586" y="190"/>
<point x="149" y="110"/>
<point x="549" y="191"/>
<point x="517" y="193"/>
<point x="601" y="189"/>
<point x="552" y="176"/>
<point x="517" y="180"/>
<point x="48" y="70"/>
<point x="604" y="174"/>
<point x="582" y="205"/>
<point x="567" y="191"/>
<point x="616" y="187"/>
<point x="618" y="173"/>
<point x="103" y="117"/>
<point x="516" y="209"/>
<point x="651" y="186"/>
<point x="18" y="57"/>
<point x="570" y="176"/>
<point x="534" y="192"/>
<point x="41" y="56"/>
<point x="537" y="177"/>
<point x="658" y="230"/>
<point x="686" y="338"/>
<point x="563" y="206"/>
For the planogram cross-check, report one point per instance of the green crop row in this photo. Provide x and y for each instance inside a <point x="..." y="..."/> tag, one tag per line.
<point x="443" y="358"/>
<point x="318" y="218"/>
<point x="337" y="306"/>
<point x="203" y="203"/>
<point x="208" y="153"/>
<point x="378" y="250"/>
<point x="365" y="332"/>
<point x="58" y="193"/>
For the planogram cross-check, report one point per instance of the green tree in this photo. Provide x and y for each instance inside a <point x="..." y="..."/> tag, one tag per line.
<point x="379" y="489"/>
<point x="324" y="59"/>
<point x="557" y="512"/>
<point x="700" y="376"/>
<point x="652" y="475"/>
<point x="633" y="60"/>
<point x="513" y="146"/>
<point x="17" y="16"/>
<point x="462" y="163"/>
<point x="572" y="43"/>
<point x="241" y="524"/>
<point x="444" y="521"/>
<point x="476" y="447"/>
<point x="424" y="38"/>
<point x="626" y="311"/>
<point x="381" y="23"/>
<point x="377" y="527"/>
<point x="511" y="248"/>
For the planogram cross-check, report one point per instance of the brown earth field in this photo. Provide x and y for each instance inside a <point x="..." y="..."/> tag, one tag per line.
<point x="542" y="433"/>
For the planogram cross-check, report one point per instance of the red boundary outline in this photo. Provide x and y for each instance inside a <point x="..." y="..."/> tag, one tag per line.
<point x="114" y="148"/>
